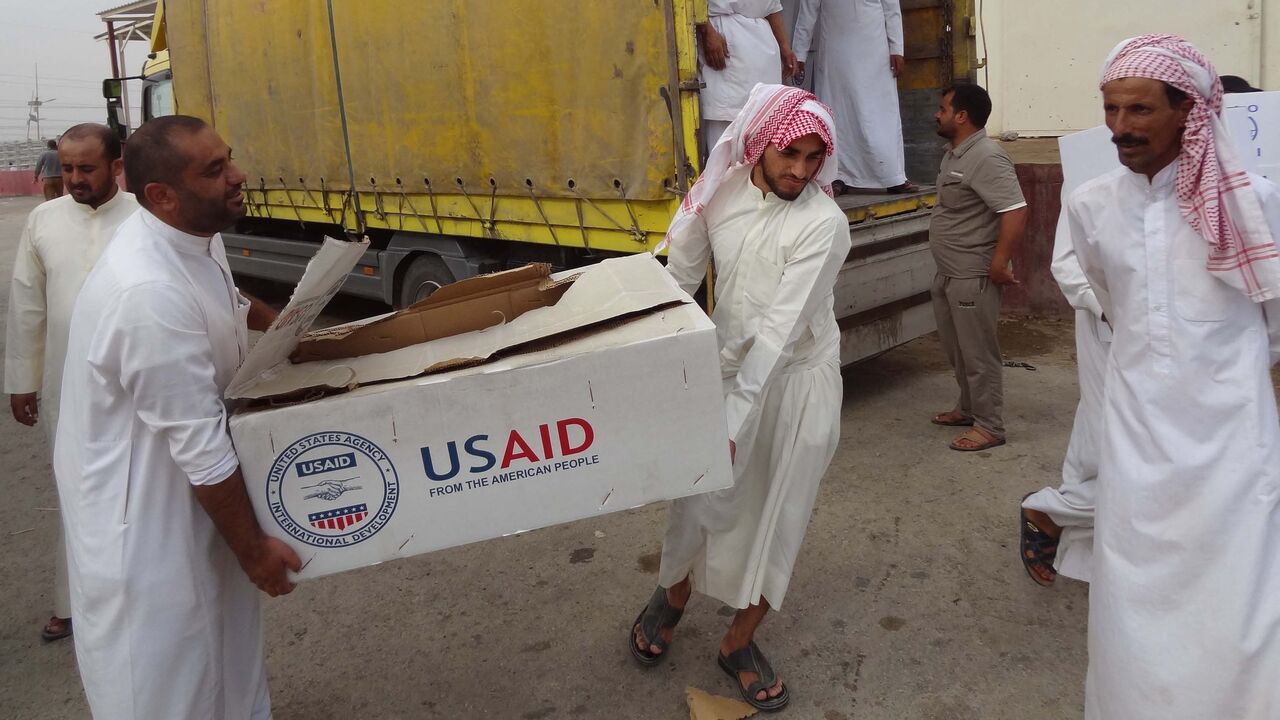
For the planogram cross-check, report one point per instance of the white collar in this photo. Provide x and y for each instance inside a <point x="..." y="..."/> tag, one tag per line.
<point x="184" y="241"/>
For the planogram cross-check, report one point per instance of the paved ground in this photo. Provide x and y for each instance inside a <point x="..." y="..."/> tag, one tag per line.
<point x="908" y="600"/>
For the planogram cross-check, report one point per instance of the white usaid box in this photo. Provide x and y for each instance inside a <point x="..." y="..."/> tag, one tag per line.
<point x="605" y="398"/>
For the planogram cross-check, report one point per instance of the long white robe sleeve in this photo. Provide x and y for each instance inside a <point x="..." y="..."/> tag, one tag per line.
<point x="1269" y="196"/>
<point x="1067" y="271"/>
<point x="162" y="356"/>
<point x="806" y="22"/>
<point x="807" y="278"/>
<point x="25" y="332"/>
<point x="893" y="25"/>
<point x="687" y="260"/>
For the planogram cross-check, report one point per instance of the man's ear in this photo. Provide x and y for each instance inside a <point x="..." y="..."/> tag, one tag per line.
<point x="1185" y="107"/>
<point x="117" y="167"/>
<point x="160" y="196"/>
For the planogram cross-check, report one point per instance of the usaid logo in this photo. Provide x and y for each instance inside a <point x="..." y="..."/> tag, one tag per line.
<point x="563" y="438"/>
<point x="332" y="489"/>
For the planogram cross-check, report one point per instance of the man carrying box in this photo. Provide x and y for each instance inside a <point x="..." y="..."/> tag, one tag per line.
<point x="762" y="209"/>
<point x="160" y="533"/>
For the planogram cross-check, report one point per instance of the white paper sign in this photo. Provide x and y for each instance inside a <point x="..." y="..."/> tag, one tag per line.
<point x="1253" y="119"/>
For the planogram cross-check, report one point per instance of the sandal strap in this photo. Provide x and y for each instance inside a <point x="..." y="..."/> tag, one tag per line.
<point x="750" y="660"/>
<point x="658" y="615"/>
<point x="1043" y="546"/>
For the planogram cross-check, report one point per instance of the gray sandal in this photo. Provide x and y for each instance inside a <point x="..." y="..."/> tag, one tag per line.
<point x="750" y="660"/>
<point x="657" y="616"/>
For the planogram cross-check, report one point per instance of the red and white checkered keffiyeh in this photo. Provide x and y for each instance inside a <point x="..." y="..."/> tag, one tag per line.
<point x="774" y="115"/>
<point x="1214" y="192"/>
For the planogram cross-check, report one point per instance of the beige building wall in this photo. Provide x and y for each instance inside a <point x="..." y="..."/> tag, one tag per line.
<point x="1044" y="57"/>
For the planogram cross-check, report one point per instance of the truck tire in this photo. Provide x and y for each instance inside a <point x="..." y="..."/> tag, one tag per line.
<point x="425" y="274"/>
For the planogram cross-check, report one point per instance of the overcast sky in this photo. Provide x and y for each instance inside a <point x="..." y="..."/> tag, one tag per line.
<point x="57" y="35"/>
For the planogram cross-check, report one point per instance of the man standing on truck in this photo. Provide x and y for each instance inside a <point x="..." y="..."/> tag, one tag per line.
<point x="856" y="73"/>
<point x="1179" y="245"/>
<point x="742" y="43"/>
<point x="977" y="225"/>
<point x="49" y="171"/>
<point x="59" y="245"/>
<point x="761" y="209"/>
<point x="161" y="535"/>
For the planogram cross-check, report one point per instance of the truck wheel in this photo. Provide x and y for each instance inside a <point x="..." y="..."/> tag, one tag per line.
<point x="425" y="274"/>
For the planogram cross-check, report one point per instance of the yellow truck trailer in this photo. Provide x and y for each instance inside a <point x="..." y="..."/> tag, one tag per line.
<point x="467" y="136"/>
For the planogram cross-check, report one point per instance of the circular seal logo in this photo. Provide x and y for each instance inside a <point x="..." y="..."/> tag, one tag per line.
<point x="332" y="489"/>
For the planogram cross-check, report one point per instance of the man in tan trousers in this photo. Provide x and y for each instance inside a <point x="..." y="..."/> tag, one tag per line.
<point x="977" y="225"/>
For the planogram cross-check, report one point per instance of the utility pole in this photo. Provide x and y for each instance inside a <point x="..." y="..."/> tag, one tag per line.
<point x="33" y="111"/>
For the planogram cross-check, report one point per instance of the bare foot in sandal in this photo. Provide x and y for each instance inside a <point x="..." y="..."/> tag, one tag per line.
<point x="953" y="418"/>
<point x="976" y="439"/>
<point x="758" y="684"/>
<point x="647" y="649"/>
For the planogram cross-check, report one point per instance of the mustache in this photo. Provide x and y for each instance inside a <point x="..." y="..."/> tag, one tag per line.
<point x="1129" y="140"/>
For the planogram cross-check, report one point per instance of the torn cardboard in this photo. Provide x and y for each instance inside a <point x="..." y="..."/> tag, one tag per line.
<point x="604" y="398"/>
<point x="705" y="706"/>
<point x="491" y="314"/>
<point x="466" y="306"/>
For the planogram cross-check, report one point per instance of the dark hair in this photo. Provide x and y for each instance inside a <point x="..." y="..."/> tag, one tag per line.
<point x="971" y="98"/>
<point x="1176" y="96"/>
<point x="1237" y="84"/>
<point x="152" y="155"/>
<point x="53" y="144"/>
<point x="108" y="137"/>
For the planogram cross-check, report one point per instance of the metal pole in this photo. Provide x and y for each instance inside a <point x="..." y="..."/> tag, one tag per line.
<point x="111" y="44"/>
<point x="39" y="132"/>
<point x="124" y="89"/>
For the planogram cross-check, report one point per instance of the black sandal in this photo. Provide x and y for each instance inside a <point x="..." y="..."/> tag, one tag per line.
<point x="657" y="616"/>
<point x="750" y="660"/>
<point x="1038" y="548"/>
<point x="48" y="635"/>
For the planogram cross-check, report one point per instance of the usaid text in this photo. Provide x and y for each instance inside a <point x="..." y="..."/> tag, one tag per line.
<point x="517" y="454"/>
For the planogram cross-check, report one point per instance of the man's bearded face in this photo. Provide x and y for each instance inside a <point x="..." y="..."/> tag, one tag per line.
<point x="946" y="117"/>
<point x="86" y="172"/>
<point x="1145" y="127"/>
<point x="210" y="196"/>
<point x="788" y="170"/>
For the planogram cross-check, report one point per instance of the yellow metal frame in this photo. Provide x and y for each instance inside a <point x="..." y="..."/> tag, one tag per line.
<point x="604" y="224"/>
<point x="436" y="206"/>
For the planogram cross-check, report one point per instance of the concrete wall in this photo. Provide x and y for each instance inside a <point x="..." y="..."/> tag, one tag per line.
<point x="18" y="182"/>
<point x="1044" y="57"/>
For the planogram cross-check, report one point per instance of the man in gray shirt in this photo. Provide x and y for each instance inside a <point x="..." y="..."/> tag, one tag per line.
<point x="49" y="171"/>
<point x="977" y="225"/>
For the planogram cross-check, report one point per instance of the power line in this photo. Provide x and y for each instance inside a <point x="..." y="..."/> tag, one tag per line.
<point x="24" y="75"/>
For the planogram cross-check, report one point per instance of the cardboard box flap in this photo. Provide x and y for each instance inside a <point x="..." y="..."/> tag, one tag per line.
<point x="465" y="306"/>
<point x="483" y="284"/>
<point x="322" y="279"/>
<point x="611" y="289"/>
